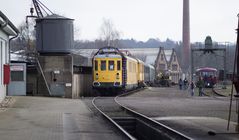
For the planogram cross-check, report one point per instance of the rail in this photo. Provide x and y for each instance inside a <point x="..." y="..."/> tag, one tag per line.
<point x="157" y="127"/>
<point x="112" y="121"/>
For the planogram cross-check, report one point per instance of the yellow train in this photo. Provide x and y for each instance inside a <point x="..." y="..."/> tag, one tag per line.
<point x="116" y="71"/>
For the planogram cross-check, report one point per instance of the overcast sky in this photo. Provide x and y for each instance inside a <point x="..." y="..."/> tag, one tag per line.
<point x="140" y="19"/>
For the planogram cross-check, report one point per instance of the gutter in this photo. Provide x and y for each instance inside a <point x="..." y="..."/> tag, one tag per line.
<point x="4" y="24"/>
<point x="8" y="22"/>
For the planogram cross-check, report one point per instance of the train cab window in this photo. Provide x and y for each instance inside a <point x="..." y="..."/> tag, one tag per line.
<point x="118" y="65"/>
<point x="111" y="65"/>
<point x="103" y="65"/>
<point x="96" y="65"/>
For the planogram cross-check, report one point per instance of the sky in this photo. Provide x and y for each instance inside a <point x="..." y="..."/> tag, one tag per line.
<point x="140" y="19"/>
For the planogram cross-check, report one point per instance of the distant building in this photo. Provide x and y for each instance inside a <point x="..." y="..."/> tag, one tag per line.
<point x="161" y="62"/>
<point x="7" y="29"/>
<point x="167" y="61"/>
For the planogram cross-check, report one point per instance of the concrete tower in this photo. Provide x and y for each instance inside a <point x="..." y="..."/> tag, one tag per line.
<point x="186" y="37"/>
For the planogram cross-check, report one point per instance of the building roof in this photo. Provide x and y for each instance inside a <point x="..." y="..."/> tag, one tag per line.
<point x="54" y="17"/>
<point x="7" y="26"/>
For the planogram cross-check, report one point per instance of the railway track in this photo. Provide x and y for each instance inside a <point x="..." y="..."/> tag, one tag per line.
<point x="212" y="92"/>
<point x="133" y="124"/>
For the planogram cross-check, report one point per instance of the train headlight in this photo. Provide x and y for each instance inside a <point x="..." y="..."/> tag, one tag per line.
<point x="96" y="76"/>
<point x="117" y="76"/>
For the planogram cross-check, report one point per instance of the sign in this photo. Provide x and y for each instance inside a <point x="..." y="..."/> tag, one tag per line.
<point x="17" y="68"/>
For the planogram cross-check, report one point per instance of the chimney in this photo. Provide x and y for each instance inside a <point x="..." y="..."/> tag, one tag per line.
<point x="186" y="37"/>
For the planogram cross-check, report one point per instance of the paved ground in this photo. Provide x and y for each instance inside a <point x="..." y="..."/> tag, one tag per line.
<point x="33" y="118"/>
<point x="194" y="116"/>
<point x="41" y="118"/>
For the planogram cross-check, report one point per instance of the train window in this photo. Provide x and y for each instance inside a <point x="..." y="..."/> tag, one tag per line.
<point x="103" y="65"/>
<point x="130" y="67"/>
<point x="96" y="65"/>
<point x="111" y="65"/>
<point x="118" y="65"/>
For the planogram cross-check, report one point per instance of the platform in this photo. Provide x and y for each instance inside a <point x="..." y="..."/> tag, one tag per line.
<point x="193" y="116"/>
<point x="44" y="118"/>
<point x="206" y="128"/>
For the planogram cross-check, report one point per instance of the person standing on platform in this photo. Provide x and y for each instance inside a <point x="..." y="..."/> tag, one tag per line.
<point x="185" y="83"/>
<point x="180" y="82"/>
<point x="200" y="85"/>
<point x="192" y="86"/>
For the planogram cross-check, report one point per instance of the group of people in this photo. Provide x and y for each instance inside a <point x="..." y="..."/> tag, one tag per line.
<point x="183" y="84"/>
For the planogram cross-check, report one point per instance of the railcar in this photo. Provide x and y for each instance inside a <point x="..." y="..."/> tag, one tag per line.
<point x="209" y="76"/>
<point x="149" y="74"/>
<point x="114" y="71"/>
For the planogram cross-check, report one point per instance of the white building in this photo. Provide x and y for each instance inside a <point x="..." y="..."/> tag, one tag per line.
<point x="7" y="32"/>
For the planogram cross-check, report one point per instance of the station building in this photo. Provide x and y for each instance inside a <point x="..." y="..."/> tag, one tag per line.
<point x="7" y="32"/>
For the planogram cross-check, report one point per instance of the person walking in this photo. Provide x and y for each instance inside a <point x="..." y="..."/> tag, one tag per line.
<point x="180" y="82"/>
<point x="200" y="85"/>
<point x="185" y="83"/>
<point x="192" y="86"/>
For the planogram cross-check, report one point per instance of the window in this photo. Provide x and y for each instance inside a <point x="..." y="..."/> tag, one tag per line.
<point x="96" y="65"/>
<point x="6" y="53"/>
<point x="1" y="63"/>
<point x="103" y="65"/>
<point x="162" y="58"/>
<point x="130" y="67"/>
<point x="174" y="67"/>
<point x="111" y="65"/>
<point x="17" y="76"/>
<point x="174" y="58"/>
<point x="162" y="66"/>
<point x="118" y="65"/>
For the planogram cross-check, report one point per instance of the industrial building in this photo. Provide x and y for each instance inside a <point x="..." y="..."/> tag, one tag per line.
<point x="7" y="32"/>
<point x="59" y="70"/>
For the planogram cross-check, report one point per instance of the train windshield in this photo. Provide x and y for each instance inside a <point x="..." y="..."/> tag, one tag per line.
<point x="103" y="65"/>
<point x="111" y="65"/>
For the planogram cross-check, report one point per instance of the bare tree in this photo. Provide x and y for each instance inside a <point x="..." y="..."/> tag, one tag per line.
<point x="24" y="44"/>
<point x="108" y="34"/>
<point x="77" y="33"/>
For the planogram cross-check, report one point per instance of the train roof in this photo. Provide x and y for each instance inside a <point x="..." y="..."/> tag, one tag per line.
<point x="206" y="69"/>
<point x="108" y="50"/>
